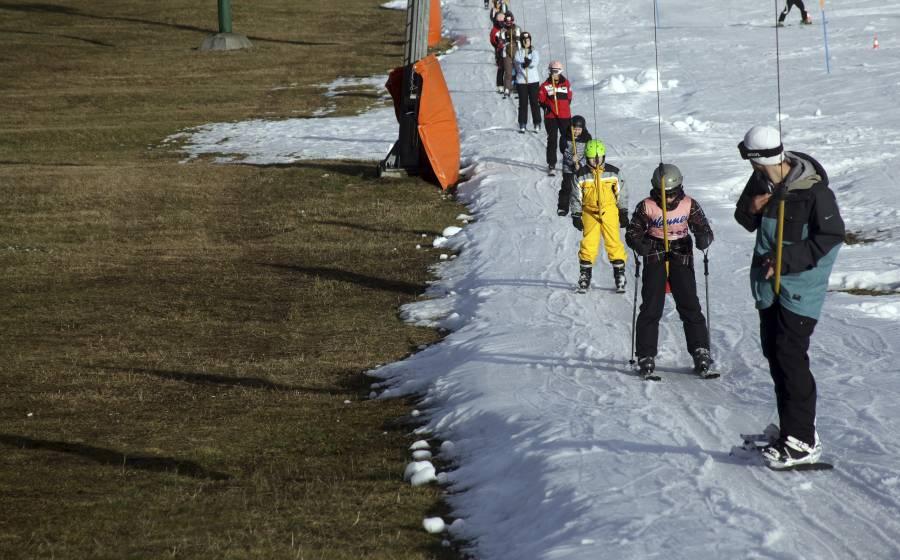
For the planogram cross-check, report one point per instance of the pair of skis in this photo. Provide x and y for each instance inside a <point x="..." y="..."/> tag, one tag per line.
<point x="581" y="290"/>
<point x="653" y="376"/>
<point x="753" y="444"/>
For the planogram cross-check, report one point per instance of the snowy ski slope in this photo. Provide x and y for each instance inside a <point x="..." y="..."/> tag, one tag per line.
<point x="559" y="451"/>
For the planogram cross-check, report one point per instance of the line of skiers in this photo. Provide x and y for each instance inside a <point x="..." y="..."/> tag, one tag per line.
<point x="593" y="192"/>
<point x="666" y="225"/>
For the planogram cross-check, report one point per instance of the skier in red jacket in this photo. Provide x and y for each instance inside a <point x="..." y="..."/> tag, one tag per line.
<point x="498" y="51"/>
<point x="555" y="96"/>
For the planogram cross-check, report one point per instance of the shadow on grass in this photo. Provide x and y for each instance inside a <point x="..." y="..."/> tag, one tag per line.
<point x="364" y="227"/>
<point x="65" y="10"/>
<point x="115" y="458"/>
<point x="72" y="37"/>
<point x="363" y="170"/>
<point x="362" y="280"/>
<point x="221" y="380"/>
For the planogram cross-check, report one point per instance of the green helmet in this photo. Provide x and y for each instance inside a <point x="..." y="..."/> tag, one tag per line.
<point x="594" y="148"/>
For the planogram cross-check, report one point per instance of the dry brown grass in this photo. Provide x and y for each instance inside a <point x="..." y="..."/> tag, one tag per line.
<point x="177" y="342"/>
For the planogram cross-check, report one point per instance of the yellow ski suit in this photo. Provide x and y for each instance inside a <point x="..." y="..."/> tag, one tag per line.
<point x="598" y="198"/>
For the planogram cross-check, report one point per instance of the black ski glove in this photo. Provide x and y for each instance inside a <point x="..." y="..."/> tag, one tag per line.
<point x="623" y="218"/>
<point x="576" y="221"/>
<point x="526" y="63"/>
<point x="702" y="240"/>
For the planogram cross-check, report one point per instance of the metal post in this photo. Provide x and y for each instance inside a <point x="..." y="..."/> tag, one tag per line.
<point x="404" y="156"/>
<point x="224" y="16"/>
<point x="225" y="39"/>
<point x="825" y="32"/>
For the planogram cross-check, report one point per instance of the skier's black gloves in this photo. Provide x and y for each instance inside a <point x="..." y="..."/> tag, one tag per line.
<point x="623" y="218"/>
<point x="576" y="221"/>
<point x="703" y="240"/>
<point x="527" y="63"/>
<point x="767" y="261"/>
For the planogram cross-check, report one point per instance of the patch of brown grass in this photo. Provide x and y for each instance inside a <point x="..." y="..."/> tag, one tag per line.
<point x="179" y="340"/>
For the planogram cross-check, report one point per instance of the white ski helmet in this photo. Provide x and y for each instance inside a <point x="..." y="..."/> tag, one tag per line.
<point x="762" y="145"/>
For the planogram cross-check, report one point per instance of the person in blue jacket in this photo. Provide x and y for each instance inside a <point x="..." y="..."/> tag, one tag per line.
<point x="813" y="231"/>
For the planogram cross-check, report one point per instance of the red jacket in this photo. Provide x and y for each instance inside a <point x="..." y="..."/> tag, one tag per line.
<point x="562" y="97"/>
<point x="494" y="31"/>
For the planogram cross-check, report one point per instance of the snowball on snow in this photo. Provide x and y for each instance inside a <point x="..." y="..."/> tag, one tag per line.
<point x="433" y="524"/>
<point x="414" y="467"/>
<point x="421" y="455"/>
<point x="395" y="5"/>
<point x="424" y="476"/>
<point x="450" y="231"/>
<point x="420" y="444"/>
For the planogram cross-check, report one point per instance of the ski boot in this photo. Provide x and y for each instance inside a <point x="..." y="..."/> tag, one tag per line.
<point x="536" y="129"/>
<point x="647" y="367"/>
<point x="521" y="129"/>
<point x="789" y="452"/>
<point x="584" y="279"/>
<point x="619" y="275"/>
<point x="702" y="361"/>
<point x="807" y="20"/>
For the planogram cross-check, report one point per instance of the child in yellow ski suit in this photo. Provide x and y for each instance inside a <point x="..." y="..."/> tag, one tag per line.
<point x="599" y="207"/>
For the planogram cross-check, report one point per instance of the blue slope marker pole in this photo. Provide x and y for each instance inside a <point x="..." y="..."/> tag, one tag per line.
<point x="825" y="32"/>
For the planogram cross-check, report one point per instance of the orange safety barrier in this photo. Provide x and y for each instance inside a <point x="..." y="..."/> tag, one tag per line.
<point x="434" y="23"/>
<point x="437" y="122"/>
<point x="437" y="119"/>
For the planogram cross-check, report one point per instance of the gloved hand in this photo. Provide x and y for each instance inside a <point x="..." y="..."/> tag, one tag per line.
<point x="623" y="218"/>
<point x="526" y="63"/>
<point x="576" y="221"/>
<point x="702" y="240"/>
<point x="767" y="262"/>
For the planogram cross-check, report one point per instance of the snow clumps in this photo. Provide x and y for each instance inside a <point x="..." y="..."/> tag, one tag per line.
<point x="646" y="81"/>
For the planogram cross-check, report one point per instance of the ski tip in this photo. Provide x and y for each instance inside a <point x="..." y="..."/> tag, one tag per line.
<point x="804" y="467"/>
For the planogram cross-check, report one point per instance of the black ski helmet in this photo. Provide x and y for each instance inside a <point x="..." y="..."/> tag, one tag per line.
<point x="672" y="176"/>
<point x="578" y="122"/>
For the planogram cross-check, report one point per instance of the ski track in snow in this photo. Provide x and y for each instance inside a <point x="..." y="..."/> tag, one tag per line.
<point x="559" y="450"/>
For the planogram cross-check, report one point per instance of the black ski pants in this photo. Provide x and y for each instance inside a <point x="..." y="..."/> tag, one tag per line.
<point x="653" y="299"/>
<point x="501" y="68"/>
<point x="787" y="8"/>
<point x="556" y="129"/>
<point x="528" y="95"/>
<point x="785" y="342"/>
<point x="565" y="192"/>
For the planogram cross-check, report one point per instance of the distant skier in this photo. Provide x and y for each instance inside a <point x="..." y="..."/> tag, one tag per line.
<point x="507" y="44"/>
<point x="812" y="233"/>
<point x="498" y="7"/>
<point x="599" y="206"/>
<point x="804" y="15"/>
<point x="645" y="236"/>
<point x="528" y="78"/>
<point x="495" y="39"/>
<point x="555" y="96"/>
<point x="573" y="160"/>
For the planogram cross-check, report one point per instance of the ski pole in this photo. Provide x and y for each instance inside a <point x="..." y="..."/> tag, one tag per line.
<point x="637" y="283"/>
<point x="706" y="286"/>
<point x="665" y="224"/>
<point x="779" y="242"/>
<point x="555" y="100"/>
